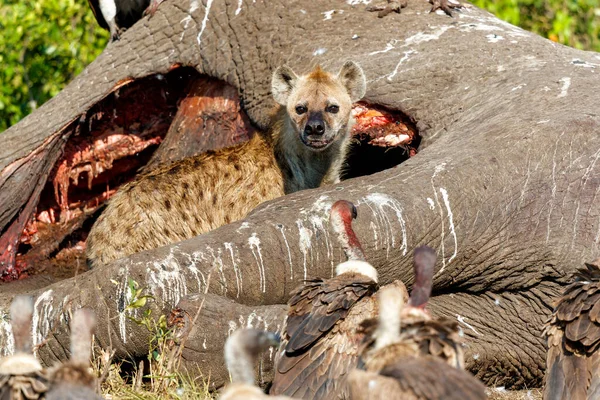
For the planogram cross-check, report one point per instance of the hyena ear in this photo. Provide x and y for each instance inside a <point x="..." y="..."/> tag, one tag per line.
<point x="353" y="78"/>
<point x="283" y="82"/>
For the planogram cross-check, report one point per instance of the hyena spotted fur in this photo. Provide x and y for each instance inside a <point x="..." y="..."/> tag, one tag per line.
<point x="305" y="148"/>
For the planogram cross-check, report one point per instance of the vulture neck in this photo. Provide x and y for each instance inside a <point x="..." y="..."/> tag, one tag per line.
<point x="239" y="362"/>
<point x="391" y="303"/>
<point x="21" y="314"/>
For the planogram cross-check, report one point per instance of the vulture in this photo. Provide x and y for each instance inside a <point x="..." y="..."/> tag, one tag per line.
<point x="435" y="337"/>
<point x="395" y="368"/>
<point x="117" y="15"/>
<point x="573" y="335"/>
<point x="241" y="350"/>
<point x="320" y="340"/>
<point x="21" y="375"/>
<point x="73" y="379"/>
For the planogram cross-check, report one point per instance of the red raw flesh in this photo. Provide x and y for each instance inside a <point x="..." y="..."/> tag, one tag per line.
<point x="83" y="179"/>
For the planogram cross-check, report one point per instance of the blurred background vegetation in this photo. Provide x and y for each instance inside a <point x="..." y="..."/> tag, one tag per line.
<point x="45" y="43"/>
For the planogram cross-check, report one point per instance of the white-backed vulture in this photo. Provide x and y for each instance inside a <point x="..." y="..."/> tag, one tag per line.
<point x="320" y="341"/>
<point x="241" y="350"/>
<point x="394" y="367"/>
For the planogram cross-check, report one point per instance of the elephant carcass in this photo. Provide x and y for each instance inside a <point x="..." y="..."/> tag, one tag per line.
<point x="504" y="185"/>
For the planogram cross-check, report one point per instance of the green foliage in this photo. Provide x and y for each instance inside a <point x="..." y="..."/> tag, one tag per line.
<point x="575" y="23"/>
<point x="44" y="44"/>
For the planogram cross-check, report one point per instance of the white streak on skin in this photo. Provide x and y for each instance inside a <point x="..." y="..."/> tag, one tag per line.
<point x="204" y="343"/>
<point x="244" y="225"/>
<point x="305" y="244"/>
<point x="521" y="86"/>
<point x="320" y="51"/>
<point x="194" y="5"/>
<point x="501" y="68"/>
<point x="42" y="310"/>
<point x="7" y="339"/>
<point x="254" y="243"/>
<point x="558" y="140"/>
<point x="328" y="14"/>
<point x="287" y="245"/>
<point x="239" y="8"/>
<point x="450" y="222"/>
<point x="475" y="357"/>
<point x="438" y="169"/>
<point x="566" y="81"/>
<point x="462" y="321"/>
<point x="186" y="21"/>
<point x="380" y="201"/>
<point x="374" y="229"/>
<point x="584" y="64"/>
<point x="218" y="262"/>
<point x="431" y="203"/>
<point x="122" y="297"/>
<point x="584" y="180"/>
<point x="167" y="280"/>
<point x="426" y="37"/>
<point x="236" y="270"/>
<point x="404" y="58"/>
<point x="250" y="319"/>
<point x="193" y="260"/>
<point x="355" y="2"/>
<point x="204" y="21"/>
<point x="232" y="328"/>
<point x="389" y="46"/>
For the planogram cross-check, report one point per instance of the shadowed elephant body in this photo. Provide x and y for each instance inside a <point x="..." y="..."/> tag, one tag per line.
<point x="504" y="185"/>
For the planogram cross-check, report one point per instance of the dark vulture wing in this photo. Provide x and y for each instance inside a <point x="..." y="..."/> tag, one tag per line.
<point x="428" y="378"/>
<point x="29" y="386"/>
<point x="320" y="342"/>
<point x="438" y="338"/>
<point x="573" y="335"/>
<point x="95" y="6"/>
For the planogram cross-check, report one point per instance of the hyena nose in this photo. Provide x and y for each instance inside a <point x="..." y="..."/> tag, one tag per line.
<point x="314" y="126"/>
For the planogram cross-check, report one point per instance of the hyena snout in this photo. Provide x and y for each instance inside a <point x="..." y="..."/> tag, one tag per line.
<point x="315" y="125"/>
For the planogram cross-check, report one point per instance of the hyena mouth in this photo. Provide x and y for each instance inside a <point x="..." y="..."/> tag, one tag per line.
<point x="183" y="112"/>
<point x="316" y="143"/>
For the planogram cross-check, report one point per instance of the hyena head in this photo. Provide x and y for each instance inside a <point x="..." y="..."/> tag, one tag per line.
<point x="319" y="104"/>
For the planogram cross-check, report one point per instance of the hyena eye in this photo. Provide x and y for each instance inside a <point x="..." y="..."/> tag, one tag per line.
<point x="332" y="109"/>
<point x="300" y="110"/>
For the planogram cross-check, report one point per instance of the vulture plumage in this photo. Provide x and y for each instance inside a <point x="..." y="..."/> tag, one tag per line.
<point x="241" y="350"/>
<point x="411" y="363"/>
<point x="73" y="379"/>
<point x="21" y="375"/>
<point x="320" y="340"/>
<point x="573" y="335"/>
<point x="436" y="337"/>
